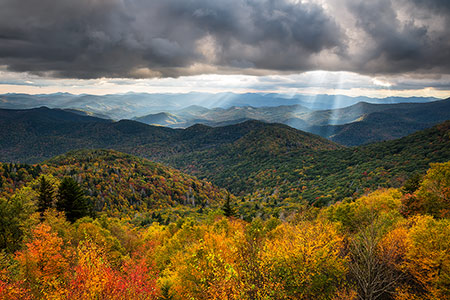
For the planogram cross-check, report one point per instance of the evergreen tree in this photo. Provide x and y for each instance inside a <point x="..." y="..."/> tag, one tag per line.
<point x="412" y="184"/>
<point x="71" y="200"/>
<point x="46" y="193"/>
<point x="228" y="209"/>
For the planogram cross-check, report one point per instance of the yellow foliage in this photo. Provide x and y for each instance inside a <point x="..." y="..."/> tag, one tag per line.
<point x="428" y="255"/>
<point x="303" y="261"/>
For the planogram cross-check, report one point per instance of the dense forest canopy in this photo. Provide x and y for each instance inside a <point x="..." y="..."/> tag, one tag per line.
<point x="306" y="218"/>
<point x="388" y="244"/>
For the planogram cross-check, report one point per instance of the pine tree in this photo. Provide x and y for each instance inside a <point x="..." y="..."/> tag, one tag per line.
<point x="227" y="208"/>
<point x="46" y="194"/>
<point x="71" y="200"/>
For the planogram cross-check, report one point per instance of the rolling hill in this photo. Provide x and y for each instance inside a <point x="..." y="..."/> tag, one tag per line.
<point x="300" y="117"/>
<point x="385" y="122"/>
<point x="120" y="183"/>
<point x="46" y="115"/>
<point x="161" y="119"/>
<point x="215" y="117"/>
<point x="314" y="174"/>
<point x="354" y="125"/>
<point x="253" y="159"/>
<point x="42" y="133"/>
<point x="38" y="134"/>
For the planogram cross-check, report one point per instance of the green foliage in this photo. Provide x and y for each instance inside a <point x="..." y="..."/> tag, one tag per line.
<point x="46" y="195"/>
<point x="16" y="216"/>
<point x="313" y="172"/>
<point x="228" y="209"/>
<point x="160" y="232"/>
<point x="253" y="159"/>
<point x="354" y="249"/>
<point x="432" y="195"/>
<point x="14" y="176"/>
<point x="412" y="184"/>
<point x="382" y="206"/>
<point x="71" y="200"/>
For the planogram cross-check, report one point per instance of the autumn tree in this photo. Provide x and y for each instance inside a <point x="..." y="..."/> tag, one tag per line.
<point x="383" y="204"/>
<point x="96" y="278"/>
<point x="433" y="195"/>
<point x="16" y="218"/>
<point x="208" y="270"/>
<point x="373" y="262"/>
<point x="13" y="291"/>
<point x="44" y="263"/>
<point x="412" y="184"/>
<point x="428" y="256"/>
<point x="304" y="261"/>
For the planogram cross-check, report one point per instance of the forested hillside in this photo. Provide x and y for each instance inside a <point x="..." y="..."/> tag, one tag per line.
<point x="224" y="150"/>
<point x="389" y="244"/>
<point x="37" y="134"/>
<point x="317" y="175"/>
<point x="354" y="125"/>
<point x="119" y="184"/>
<point x="252" y="159"/>
<point x="380" y="122"/>
<point x="100" y="224"/>
<point x="41" y="134"/>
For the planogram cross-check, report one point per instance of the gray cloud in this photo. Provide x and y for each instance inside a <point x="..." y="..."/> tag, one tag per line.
<point x="169" y="38"/>
<point x="400" y="45"/>
<point x="438" y="6"/>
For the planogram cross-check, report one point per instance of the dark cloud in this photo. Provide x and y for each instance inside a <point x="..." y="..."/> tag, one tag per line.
<point x="147" y="38"/>
<point x="398" y="45"/>
<point x="438" y="6"/>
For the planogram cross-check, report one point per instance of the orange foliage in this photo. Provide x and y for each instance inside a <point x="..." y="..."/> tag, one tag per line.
<point x="44" y="263"/>
<point x="13" y="291"/>
<point x="94" y="277"/>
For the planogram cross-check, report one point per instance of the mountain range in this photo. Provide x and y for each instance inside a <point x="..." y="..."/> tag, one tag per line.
<point x="130" y="105"/>
<point x="346" y="120"/>
<point x="357" y="124"/>
<point x="265" y="161"/>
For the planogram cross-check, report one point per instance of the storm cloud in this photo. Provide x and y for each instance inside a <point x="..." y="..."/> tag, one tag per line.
<point x="170" y="38"/>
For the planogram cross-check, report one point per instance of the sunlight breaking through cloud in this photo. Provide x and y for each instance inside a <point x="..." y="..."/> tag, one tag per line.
<point x="313" y="82"/>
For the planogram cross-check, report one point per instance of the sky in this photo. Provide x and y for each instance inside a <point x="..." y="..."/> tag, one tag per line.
<point x="353" y="47"/>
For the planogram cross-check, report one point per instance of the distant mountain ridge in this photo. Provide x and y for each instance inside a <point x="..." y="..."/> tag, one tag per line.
<point x="264" y="160"/>
<point x="162" y="119"/>
<point x="386" y="122"/>
<point x="130" y="105"/>
<point x="184" y="118"/>
<point x="357" y="124"/>
<point x="43" y="133"/>
<point x="45" y="114"/>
